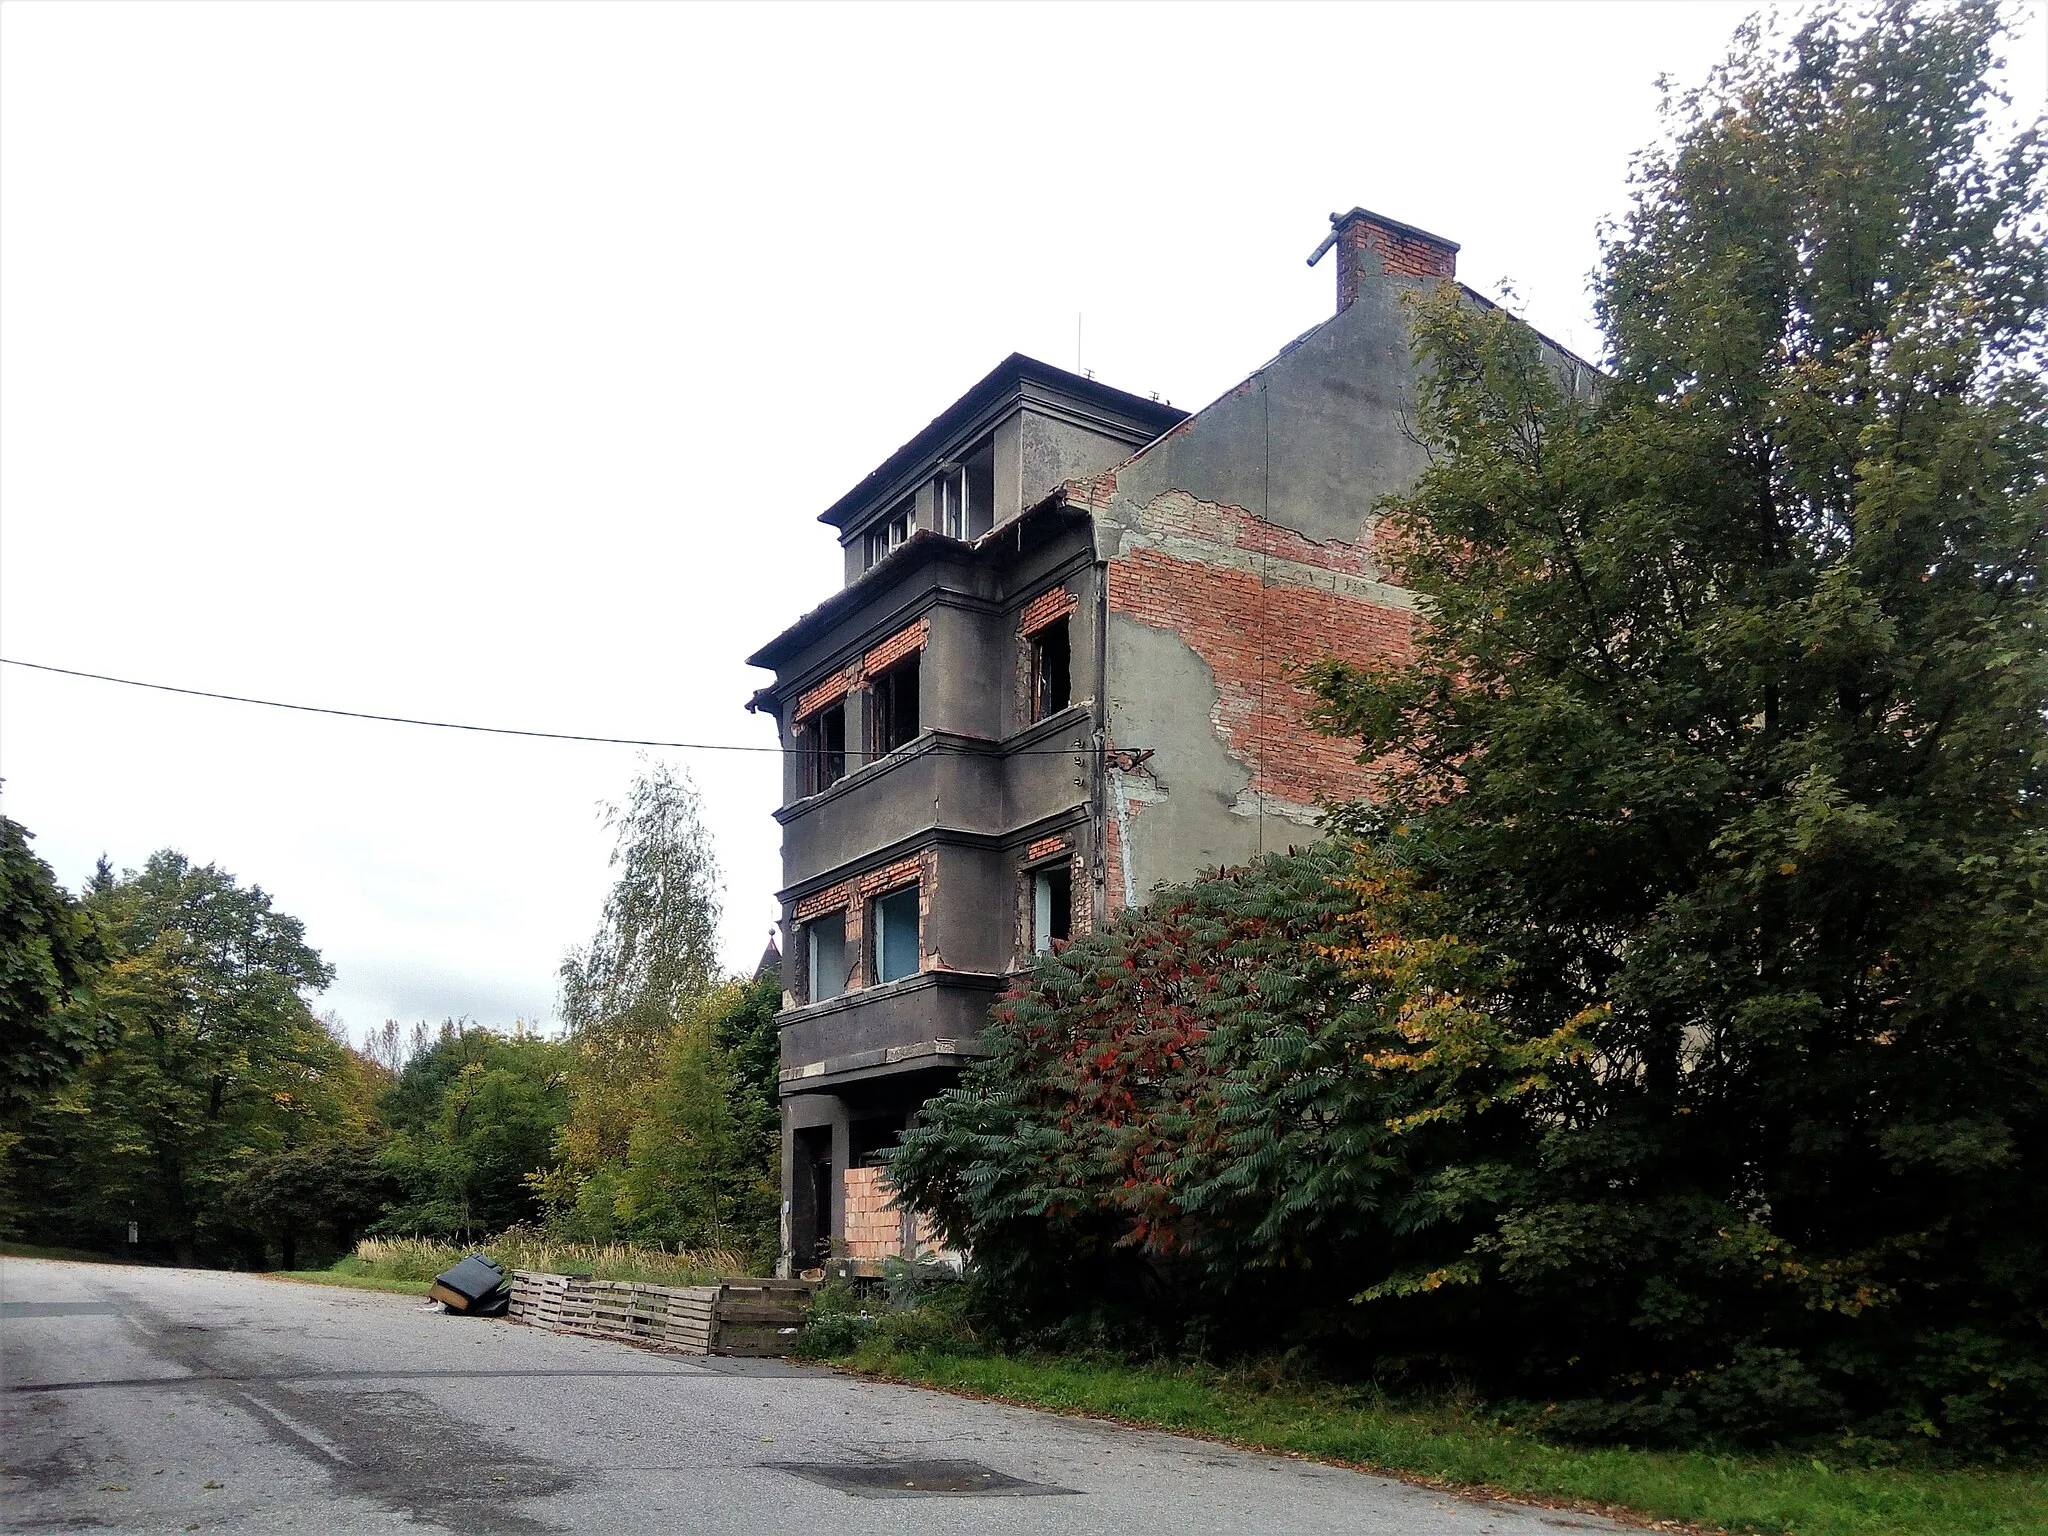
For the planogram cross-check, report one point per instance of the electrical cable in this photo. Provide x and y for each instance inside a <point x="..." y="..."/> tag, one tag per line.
<point x="451" y="725"/>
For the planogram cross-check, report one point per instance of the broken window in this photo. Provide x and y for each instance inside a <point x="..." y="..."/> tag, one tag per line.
<point x="891" y="532"/>
<point x="894" y="712"/>
<point x="896" y="934"/>
<point x="1052" y="665"/>
<point x="826" y="936"/>
<point x="1052" y="907"/>
<point x="825" y="749"/>
<point x="964" y="496"/>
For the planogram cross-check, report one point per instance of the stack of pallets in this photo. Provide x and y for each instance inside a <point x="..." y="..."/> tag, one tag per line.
<point x="735" y="1317"/>
<point x="556" y="1302"/>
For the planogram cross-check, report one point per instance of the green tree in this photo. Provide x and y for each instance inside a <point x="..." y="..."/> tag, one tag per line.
<point x="1726" y="729"/>
<point x="701" y="1163"/>
<point x="745" y="1030"/>
<point x="218" y="1061"/>
<point x="702" y="1138"/>
<point x="50" y="956"/>
<point x="643" y="977"/>
<point x="1232" y="1109"/>
<point x="474" y="1117"/>
<point x="658" y="940"/>
<point x="324" y="1193"/>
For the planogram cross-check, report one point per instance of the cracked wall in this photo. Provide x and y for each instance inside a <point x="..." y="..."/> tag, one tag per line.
<point x="1239" y="547"/>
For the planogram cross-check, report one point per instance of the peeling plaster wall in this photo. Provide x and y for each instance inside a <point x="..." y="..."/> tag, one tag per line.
<point x="1176" y="815"/>
<point x="1240" y="545"/>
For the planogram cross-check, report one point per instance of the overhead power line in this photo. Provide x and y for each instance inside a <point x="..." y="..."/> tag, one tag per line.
<point x="445" y="725"/>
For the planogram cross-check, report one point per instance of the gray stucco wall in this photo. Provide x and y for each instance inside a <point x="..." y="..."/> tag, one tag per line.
<point x="1052" y="451"/>
<point x="1315" y="438"/>
<point x="1309" y="444"/>
<point x="1181" y="808"/>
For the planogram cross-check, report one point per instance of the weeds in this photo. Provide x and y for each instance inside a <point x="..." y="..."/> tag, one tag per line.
<point x="416" y="1258"/>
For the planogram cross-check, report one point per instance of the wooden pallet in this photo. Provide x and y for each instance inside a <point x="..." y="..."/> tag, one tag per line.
<point x="736" y="1317"/>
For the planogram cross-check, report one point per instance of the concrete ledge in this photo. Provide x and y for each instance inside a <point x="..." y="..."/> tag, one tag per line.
<point x="990" y="982"/>
<point x="858" y="1066"/>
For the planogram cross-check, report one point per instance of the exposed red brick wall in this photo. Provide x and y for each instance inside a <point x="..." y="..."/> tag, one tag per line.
<point x="819" y="902"/>
<point x="1250" y="632"/>
<point x="852" y="897"/>
<point x="913" y="637"/>
<point x="873" y="1229"/>
<point x="1364" y="245"/>
<point x="829" y="691"/>
<point x="1045" y="608"/>
<point x="889" y="876"/>
<point x="896" y="647"/>
<point x="1177" y="514"/>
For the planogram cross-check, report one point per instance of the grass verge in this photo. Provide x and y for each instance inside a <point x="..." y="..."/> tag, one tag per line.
<point x="1460" y="1447"/>
<point x="74" y="1255"/>
<point x="348" y="1272"/>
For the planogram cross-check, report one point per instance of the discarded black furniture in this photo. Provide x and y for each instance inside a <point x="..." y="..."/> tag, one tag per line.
<point x="475" y="1286"/>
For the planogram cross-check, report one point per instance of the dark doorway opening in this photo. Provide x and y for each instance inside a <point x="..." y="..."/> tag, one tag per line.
<point x="810" y="1197"/>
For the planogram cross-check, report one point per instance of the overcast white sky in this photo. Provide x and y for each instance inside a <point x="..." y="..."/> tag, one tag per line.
<point x="492" y="362"/>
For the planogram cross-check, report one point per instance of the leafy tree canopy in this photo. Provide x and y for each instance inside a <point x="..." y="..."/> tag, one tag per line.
<point x="656" y="948"/>
<point x="1234" y="1108"/>
<point x="218" y="1060"/>
<point x="1726" y="730"/>
<point x="474" y="1117"/>
<point x="50" y="955"/>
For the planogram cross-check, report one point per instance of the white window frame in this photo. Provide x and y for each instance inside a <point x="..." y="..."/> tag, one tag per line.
<point x="949" y="501"/>
<point x="890" y="534"/>
<point x="1042" y="907"/>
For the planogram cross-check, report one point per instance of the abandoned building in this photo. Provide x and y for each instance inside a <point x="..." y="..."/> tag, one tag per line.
<point x="1056" y="677"/>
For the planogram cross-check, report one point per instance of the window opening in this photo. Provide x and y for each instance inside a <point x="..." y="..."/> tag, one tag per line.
<point x="1052" y="907"/>
<point x="1052" y="668"/>
<point x="827" y="937"/>
<point x="981" y="489"/>
<point x="895" y="706"/>
<point x="825" y="755"/>
<point x="896" y="935"/>
<point x="891" y="532"/>
<point x="964" y="495"/>
<point x="949" y="501"/>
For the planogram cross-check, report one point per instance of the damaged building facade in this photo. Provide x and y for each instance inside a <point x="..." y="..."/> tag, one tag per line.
<point x="1057" y="676"/>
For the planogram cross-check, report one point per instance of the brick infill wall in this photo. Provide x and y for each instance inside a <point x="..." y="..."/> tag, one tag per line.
<point x="912" y="637"/>
<point x="1046" y="608"/>
<point x="874" y="1227"/>
<point x="1253" y="601"/>
<point x="896" y="647"/>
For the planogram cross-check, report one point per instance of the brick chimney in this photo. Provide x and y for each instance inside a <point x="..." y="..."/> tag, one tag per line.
<point x="1372" y="242"/>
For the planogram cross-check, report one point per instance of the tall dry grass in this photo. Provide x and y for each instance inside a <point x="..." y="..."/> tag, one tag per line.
<point x="417" y="1258"/>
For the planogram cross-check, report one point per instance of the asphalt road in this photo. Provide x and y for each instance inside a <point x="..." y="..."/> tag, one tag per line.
<point x="188" y="1400"/>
